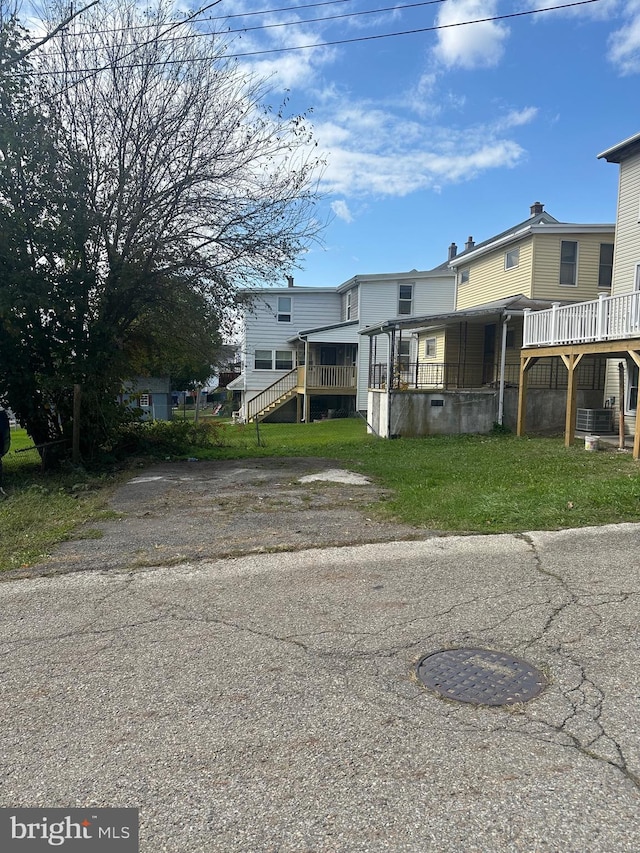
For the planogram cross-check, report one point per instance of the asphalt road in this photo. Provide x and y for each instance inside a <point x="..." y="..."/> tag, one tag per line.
<point x="269" y="703"/>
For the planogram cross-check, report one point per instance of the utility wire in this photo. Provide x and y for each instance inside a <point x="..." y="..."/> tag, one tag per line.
<point x="224" y="17"/>
<point x="414" y="31"/>
<point x="436" y="27"/>
<point x="320" y="20"/>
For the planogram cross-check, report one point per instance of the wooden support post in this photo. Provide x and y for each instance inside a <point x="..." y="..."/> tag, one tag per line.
<point x="571" y="362"/>
<point x="621" y="397"/>
<point x="75" y="446"/>
<point x="522" y="398"/>
<point x="298" y="408"/>
<point x="636" y="433"/>
<point x="526" y="363"/>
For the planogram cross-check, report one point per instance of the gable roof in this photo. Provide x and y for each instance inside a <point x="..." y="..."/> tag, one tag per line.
<point x="513" y="233"/>
<point x="535" y="225"/>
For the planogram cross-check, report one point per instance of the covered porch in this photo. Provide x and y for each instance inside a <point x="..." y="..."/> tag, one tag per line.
<point x="470" y="361"/>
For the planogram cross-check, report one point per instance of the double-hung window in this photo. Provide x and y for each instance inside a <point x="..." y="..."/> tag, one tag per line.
<point x="405" y="299"/>
<point x="569" y="263"/>
<point x="284" y="309"/>
<point x="284" y="359"/>
<point x="264" y="359"/>
<point x="512" y="258"/>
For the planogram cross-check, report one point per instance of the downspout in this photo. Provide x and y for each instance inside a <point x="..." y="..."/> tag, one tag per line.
<point x="392" y="336"/>
<point x="305" y="399"/>
<point x="503" y="360"/>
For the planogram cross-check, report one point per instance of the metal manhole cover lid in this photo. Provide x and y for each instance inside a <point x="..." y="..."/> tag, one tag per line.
<point x="480" y="676"/>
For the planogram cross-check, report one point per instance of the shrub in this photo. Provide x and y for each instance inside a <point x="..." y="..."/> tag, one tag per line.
<point x="162" y="438"/>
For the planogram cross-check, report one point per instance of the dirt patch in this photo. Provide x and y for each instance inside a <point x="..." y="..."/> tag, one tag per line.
<point x="185" y="511"/>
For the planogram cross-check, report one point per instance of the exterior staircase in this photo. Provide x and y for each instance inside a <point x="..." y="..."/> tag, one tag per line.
<point x="273" y="397"/>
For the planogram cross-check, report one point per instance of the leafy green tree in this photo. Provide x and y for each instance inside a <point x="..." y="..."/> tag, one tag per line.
<point x="142" y="182"/>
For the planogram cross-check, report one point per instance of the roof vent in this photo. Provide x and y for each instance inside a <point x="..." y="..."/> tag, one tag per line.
<point x="289" y="281"/>
<point x="536" y="208"/>
<point x="453" y="251"/>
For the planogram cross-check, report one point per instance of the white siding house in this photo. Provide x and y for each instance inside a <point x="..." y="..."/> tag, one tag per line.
<point x="302" y="355"/>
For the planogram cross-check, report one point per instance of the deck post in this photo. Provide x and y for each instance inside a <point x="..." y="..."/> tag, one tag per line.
<point x="571" y="361"/>
<point x="525" y="363"/>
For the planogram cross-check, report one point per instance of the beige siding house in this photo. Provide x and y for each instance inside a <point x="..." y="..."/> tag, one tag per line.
<point x="607" y="327"/>
<point x="532" y="265"/>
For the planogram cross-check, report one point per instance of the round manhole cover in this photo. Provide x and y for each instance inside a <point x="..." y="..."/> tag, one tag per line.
<point x="480" y="676"/>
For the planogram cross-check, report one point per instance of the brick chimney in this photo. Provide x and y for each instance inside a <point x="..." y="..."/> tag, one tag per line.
<point x="469" y="244"/>
<point x="289" y="281"/>
<point x="536" y="208"/>
<point x="453" y="251"/>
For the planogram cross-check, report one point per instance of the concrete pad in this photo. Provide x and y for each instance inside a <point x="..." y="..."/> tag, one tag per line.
<point x="337" y="475"/>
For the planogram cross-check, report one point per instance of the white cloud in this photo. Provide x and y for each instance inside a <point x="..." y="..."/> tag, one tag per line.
<point x="341" y="210"/>
<point x="624" y="44"/>
<point x="379" y="153"/>
<point x="516" y="118"/>
<point x="474" y="45"/>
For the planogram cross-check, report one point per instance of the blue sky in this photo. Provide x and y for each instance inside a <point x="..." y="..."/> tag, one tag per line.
<point x="432" y="137"/>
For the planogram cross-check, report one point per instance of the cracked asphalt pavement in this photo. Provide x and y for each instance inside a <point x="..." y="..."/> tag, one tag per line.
<point x="268" y="702"/>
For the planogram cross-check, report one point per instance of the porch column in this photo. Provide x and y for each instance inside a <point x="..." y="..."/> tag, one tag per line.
<point x="503" y="360"/>
<point x="392" y="341"/>
<point x="571" y="362"/>
<point x="636" y="433"/>
<point x="305" y="397"/>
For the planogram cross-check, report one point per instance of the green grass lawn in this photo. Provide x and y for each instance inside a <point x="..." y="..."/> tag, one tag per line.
<point x="43" y="508"/>
<point x="489" y="484"/>
<point x="466" y="483"/>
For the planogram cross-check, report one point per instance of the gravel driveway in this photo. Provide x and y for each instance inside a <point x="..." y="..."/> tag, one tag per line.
<point x="185" y="511"/>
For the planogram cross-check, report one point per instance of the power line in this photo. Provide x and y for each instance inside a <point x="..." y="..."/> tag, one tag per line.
<point x="276" y="25"/>
<point x="266" y="51"/>
<point x="412" y="32"/>
<point x="220" y="17"/>
<point x="336" y="17"/>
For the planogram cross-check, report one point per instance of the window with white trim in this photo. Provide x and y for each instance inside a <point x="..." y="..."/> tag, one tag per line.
<point x="463" y="278"/>
<point x="569" y="263"/>
<point x="512" y="258"/>
<point x="632" y="393"/>
<point x="284" y="359"/>
<point x="263" y="359"/>
<point x="284" y="309"/>
<point x="405" y="299"/>
<point x="404" y="354"/>
<point x="430" y="348"/>
<point x="144" y="400"/>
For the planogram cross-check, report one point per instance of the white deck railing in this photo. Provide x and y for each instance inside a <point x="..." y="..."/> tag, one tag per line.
<point x="604" y="319"/>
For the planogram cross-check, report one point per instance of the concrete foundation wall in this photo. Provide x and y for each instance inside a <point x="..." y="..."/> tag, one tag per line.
<point x="546" y="409"/>
<point x="416" y="413"/>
